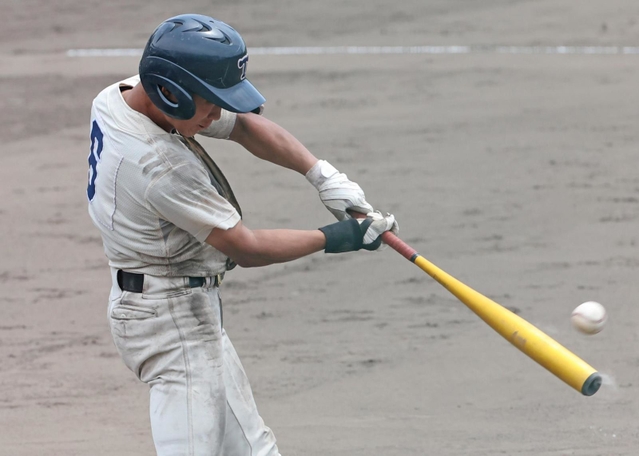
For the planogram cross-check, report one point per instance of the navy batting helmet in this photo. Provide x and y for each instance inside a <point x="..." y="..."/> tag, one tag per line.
<point x="194" y="54"/>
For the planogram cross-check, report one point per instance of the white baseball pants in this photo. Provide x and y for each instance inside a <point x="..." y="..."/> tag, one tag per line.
<point x="201" y="403"/>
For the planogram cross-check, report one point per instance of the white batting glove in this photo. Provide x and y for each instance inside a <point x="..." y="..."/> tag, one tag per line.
<point x="337" y="192"/>
<point x="380" y="225"/>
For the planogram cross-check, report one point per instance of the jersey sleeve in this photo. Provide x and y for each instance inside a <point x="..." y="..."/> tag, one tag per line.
<point x="185" y="197"/>
<point x="221" y="128"/>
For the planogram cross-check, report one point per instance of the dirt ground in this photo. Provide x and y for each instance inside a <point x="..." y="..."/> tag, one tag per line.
<point x="515" y="173"/>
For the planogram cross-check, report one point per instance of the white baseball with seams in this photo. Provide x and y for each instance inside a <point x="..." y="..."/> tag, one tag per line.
<point x="589" y="317"/>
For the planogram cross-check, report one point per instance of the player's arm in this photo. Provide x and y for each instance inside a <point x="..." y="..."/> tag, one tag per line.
<point x="268" y="141"/>
<point x="252" y="248"/>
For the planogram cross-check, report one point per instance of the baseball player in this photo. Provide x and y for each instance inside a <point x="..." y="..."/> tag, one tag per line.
<point x="171" y="228"/>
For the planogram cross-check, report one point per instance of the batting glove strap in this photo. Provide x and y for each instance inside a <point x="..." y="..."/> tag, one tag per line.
<point x="320" y="173"/>
<point x="347" y="236"/>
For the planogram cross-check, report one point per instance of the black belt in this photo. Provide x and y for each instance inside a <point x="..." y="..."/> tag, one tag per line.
<point x="133" y="282"/>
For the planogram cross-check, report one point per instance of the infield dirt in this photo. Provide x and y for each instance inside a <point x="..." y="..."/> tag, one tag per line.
<point x="515" y="173"/>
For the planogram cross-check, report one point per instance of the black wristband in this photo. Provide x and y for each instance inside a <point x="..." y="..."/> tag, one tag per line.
<point x="345" y="236"/>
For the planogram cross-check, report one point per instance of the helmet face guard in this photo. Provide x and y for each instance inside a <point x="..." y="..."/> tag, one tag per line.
<point x="194" y="54"/>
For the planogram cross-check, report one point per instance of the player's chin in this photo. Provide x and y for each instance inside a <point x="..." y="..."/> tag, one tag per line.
<point x="204" y="125"/>
<point x="191" y="131"/>
<point x="198" y="129"/>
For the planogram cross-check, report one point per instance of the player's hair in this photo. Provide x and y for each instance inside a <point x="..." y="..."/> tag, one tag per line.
<point x="194" y="54"/>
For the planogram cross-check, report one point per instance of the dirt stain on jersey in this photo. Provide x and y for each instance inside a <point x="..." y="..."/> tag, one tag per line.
<point x="153" y="164"/>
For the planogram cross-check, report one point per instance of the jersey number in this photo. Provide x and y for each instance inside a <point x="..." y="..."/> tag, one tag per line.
<point x="94" y="156"/>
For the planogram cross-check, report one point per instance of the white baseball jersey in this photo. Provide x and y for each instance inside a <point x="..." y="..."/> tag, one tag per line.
<point x="150" y="196"/>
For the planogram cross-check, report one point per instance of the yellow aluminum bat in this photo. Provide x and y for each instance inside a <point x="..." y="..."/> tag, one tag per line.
<point x="523" y="335"/>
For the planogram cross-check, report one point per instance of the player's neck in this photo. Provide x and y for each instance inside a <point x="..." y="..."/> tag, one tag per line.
<point x="138" y="100"/>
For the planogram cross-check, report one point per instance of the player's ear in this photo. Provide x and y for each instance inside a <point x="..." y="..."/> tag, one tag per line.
<point x="168" y="94"/>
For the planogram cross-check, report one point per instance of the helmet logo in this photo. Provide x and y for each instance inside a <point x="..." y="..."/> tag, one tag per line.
<point x="241" y="64"/>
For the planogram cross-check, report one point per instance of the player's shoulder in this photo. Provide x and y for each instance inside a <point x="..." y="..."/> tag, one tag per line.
<point x="114" y="89"/>
<point x="122" y="126"/>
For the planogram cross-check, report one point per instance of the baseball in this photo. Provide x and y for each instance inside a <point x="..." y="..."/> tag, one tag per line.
<point x="589" y="317"/>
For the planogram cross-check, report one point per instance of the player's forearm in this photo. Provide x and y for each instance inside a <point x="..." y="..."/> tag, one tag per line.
<point x="268" y="141"/>
<point x="252" y="248"/>
<point x="279" y="246"/>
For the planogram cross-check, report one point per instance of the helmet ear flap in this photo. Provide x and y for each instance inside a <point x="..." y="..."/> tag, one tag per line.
<point x="183" y="108"/>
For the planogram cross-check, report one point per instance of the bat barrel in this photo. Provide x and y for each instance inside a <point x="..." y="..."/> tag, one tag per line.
<point x="522" y="334"/>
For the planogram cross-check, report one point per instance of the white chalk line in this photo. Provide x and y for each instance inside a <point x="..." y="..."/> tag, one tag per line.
<point x="376" y="50"/>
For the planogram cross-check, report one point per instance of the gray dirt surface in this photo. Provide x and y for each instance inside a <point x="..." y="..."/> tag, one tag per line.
<point x="514" y="173"/>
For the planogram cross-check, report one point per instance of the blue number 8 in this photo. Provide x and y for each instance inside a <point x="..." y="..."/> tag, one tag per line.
<point x="94" y="156"/>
